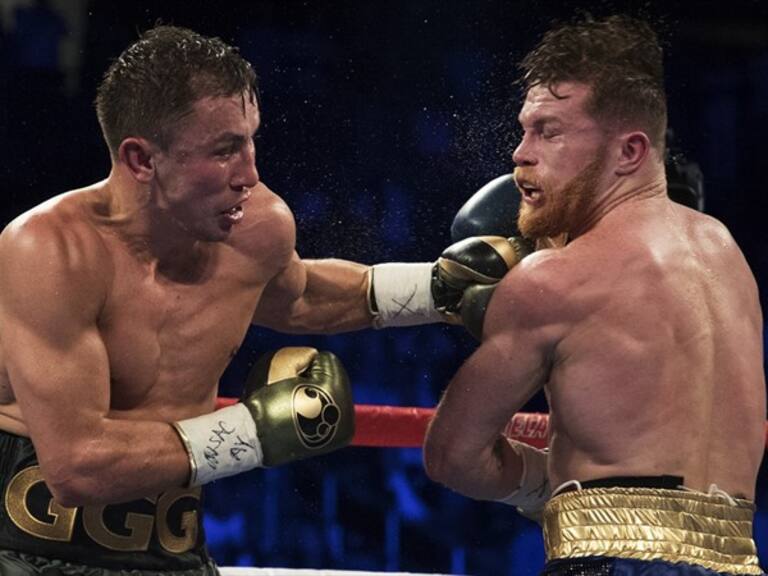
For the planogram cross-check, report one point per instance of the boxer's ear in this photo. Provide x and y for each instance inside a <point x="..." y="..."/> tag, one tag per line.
<point x="137" y="154"/>
<point x="633" y="149"/>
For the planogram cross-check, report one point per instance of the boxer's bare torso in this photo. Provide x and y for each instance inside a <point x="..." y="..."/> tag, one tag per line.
<point x="147" y="339"/>
<point x="167" y="334"/>
<point x="656" y="366"/>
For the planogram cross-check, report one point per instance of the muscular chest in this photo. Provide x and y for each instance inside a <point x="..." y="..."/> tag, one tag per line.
<point x="168" y="342"/>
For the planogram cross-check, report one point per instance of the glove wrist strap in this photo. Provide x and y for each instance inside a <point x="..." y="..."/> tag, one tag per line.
<point x="220" y="444"/>
<point x="534" y="490"/>
<point x="400" y="294"/>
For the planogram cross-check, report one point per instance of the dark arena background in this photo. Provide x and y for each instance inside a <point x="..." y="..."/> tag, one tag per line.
<point x="379" y="120"/>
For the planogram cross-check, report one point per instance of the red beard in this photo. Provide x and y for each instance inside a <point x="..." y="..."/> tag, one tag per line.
<point x="562" y="209"/>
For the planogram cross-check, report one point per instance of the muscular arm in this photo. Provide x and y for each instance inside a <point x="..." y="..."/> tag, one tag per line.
<point x="316" y="297"/>
<point x="464" y="448"/>
<point x="51" y="291"/>
<point x="304" y="296"/>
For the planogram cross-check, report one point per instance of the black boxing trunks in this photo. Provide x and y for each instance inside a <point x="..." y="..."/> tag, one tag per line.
<point x="163" y="534"/>
<point x="20" y="564"/>
<point x="647" y="526"/>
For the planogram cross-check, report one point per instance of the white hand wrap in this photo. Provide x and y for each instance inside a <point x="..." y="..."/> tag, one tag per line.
<point x="402" y="294"/>
<point x="220" y="444"/>
<point x="534" y="490"/>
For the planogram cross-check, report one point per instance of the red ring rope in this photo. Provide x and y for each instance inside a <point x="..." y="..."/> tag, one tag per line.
<point x="404" y="427"/>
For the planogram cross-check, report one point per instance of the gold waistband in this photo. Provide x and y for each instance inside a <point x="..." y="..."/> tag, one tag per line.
<point x="652" y="524"/>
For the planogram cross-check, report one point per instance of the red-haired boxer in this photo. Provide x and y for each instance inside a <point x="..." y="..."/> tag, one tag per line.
<point x="643" y="328"/>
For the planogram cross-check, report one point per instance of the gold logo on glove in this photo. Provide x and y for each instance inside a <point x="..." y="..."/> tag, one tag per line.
<point x="315" y="416"/>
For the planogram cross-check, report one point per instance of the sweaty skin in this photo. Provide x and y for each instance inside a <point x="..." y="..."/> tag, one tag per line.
<point x="121" y="304"/>
<point x="645" y="332"/>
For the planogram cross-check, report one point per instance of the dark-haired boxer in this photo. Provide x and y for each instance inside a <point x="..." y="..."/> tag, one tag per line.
<point x="122" y="303"/>
<point x="644" y="330"/>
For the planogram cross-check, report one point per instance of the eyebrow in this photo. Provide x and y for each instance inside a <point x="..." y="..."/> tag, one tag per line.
<point x="541" y="120"/>
<point x="228" y="137"/>
<point x="231" y="137"/>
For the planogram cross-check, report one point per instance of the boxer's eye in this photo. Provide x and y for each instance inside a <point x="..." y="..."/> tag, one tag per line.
<point x="225" y="152"/>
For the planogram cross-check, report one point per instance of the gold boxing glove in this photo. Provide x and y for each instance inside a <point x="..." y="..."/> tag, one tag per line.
<point x="296" y="403"/>
<point x="421" y="293"/>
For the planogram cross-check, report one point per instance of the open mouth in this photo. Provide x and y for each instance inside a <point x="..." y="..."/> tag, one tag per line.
<point x="530" y="192"/>
<point x="236" y="212"/>
<point x="238" y="209"/>
<point x="233" y="214"/>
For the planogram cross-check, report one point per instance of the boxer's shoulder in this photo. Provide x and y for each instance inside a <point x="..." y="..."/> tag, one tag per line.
<point x="546" y="270"/>
<point x="268" y="229"/>
<point x="56" y="234"/>
<point x="53" y="254"/>
<point x="708" y="230"/>
<point x="540" y="287"/>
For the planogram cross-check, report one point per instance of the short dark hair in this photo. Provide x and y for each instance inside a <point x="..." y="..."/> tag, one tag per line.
<point x="619" y="57"/>
<point x="158" y="78"/>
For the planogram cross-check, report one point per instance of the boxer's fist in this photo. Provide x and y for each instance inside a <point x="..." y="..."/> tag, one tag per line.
<point x="474" y="304"/>
<point x="404" y="294"/>
<point x="491" y="211"/>
<point x="420" y="293"/>
<point x="296" y="403"/>
<point x="487" y="244"/>
<point x="476" y="260"/>
<point x="301" y="402"/>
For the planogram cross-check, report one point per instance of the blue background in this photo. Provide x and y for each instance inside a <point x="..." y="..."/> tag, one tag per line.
<point x="379" y="120"/>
